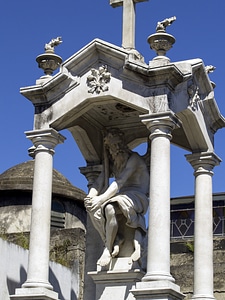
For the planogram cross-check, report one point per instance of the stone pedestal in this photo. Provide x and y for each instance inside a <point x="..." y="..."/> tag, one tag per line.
<point x="157" y="290"/>
<point x="34" y="294"/>
<point x="117" y="281"/>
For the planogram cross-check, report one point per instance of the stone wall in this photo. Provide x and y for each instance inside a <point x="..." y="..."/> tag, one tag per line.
<point x="67" y="248"/>
<point x="67" y="276"/>
<point x="182" y="266"/>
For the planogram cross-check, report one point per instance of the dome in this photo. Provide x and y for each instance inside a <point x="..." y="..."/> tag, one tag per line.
<point x="20" y="177"/>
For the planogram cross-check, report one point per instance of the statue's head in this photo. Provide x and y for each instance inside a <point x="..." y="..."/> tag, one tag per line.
<point x="114" y="141"/>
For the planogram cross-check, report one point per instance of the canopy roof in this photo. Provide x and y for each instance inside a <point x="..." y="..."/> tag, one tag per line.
<point x="104" y="86"/>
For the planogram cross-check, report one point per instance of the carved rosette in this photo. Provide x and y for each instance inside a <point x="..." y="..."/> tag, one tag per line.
<point x="98" y="79"/>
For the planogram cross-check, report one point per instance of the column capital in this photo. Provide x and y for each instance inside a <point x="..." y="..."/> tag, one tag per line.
<point x="160" y="124"/>
<point x="91" y="173"/>
<point x="45" y="139"/>
<point x="203" y="162"/>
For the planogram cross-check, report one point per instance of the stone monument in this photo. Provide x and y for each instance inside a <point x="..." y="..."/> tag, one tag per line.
<point x="104" y="87"/>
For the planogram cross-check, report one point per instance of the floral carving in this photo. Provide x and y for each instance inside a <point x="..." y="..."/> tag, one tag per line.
<point x="98" y="79"/>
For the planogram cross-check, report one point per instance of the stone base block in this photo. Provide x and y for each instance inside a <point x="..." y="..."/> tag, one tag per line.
<point x="120" y="264"/>
<point x="157" y="290"/>
<point x="34" y="294"/>
<point x="117" y="281"/>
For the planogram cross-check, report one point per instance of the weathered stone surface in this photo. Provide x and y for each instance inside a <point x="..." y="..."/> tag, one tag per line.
<point x="68" y="248"/>
<point x="182" y="267"/>
<point x="16" y="186"/>
<point x="20" y="177"/>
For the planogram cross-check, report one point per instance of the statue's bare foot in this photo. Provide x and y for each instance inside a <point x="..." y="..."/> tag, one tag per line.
<point x="105" y="259"/>
<point x="136" y="254"/>
<point x="116" y="249"/>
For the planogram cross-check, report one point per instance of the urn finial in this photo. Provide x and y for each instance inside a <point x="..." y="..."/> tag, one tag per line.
<point x="161" y="41"/>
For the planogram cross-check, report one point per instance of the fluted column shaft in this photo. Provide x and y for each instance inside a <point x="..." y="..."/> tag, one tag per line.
<point x="38" y="264"/>
<point x="203" y="163"/>
<point x="158" y="259"/>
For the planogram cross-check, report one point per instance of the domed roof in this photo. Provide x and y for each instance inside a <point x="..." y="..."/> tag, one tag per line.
<point x="20" y="177"/>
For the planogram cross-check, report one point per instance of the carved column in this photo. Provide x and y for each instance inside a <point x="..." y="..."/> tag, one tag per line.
<point x="203" y="164"/>
<point x="158" y="282"/>
<point x="38" y="265"/>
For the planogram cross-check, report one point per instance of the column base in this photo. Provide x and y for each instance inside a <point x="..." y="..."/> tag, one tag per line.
<point x="157" y="276"/>
<point x="34" y="294"/>
<point x="203" y="297"/>
<point x="157" y="290"/>
<point x="117" y="281"/>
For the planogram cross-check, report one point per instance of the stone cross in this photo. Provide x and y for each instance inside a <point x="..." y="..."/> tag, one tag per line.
<point x="128" y="36"/>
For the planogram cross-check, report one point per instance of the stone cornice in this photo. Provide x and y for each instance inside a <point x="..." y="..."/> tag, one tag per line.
<point x="52" y="90"/>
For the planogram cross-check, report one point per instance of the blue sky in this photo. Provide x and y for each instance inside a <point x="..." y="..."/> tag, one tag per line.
<point x="25" y="26"/>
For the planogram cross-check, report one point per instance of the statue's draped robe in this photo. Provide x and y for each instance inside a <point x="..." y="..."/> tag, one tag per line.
<point x="131" y="201"/>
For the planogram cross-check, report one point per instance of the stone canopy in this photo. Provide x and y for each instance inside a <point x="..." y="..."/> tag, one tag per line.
<point x="104" y="86"/>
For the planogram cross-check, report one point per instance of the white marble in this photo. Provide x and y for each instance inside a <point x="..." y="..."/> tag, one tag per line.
<point x="128" y="35"/>
<point x="38" y="262"/>
<point x="117" y="282"/>
<point x="129" y="89"/>
<point x="158" y="258"/>
<point x="34" y="293"/>
<point x="203" y="163"/>
<point x="157" y="290"/>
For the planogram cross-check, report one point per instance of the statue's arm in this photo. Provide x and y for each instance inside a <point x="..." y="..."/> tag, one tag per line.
<point x="123" y="178"/>
<point x="93" y="203"/>
<point x="96" y="201"/>
<point x="110" y="192"/>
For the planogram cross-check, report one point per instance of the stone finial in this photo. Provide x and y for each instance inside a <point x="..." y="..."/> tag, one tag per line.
<point x="161" y="26"/>
<point x="50" y="47"/>
<point x="210" y="69"/>
<point x="49" y="61"/>
<point x="161" y="41"/>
